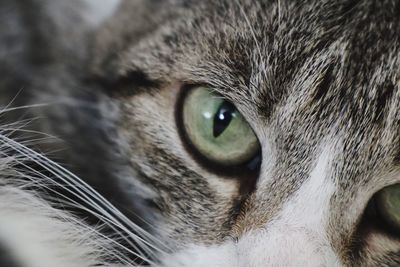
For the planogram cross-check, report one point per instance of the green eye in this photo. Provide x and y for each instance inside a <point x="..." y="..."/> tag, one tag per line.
<point x="388" y="204"/>
<point x="217" y="130"/>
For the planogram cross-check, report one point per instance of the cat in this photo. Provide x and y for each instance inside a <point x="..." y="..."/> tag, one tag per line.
<point x="207" y="133"/>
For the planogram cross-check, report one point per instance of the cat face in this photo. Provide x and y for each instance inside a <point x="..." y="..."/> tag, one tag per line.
<point x="297" y="161"/>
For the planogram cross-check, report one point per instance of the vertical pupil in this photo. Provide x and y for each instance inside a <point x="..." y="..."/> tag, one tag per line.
<point x="223" y="118"/>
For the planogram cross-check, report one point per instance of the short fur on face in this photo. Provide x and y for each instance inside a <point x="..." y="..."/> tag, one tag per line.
<point x="319" y="83"/>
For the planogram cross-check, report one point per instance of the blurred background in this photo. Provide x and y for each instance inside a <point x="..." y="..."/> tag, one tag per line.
<point x="101" y="9"/>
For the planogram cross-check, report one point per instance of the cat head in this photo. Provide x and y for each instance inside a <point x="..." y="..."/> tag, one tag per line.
<point x="258" y="133"/>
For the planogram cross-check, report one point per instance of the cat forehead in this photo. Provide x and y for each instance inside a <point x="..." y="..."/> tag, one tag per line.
<point x="242" y="45"/>
<point x="260" y="54"/>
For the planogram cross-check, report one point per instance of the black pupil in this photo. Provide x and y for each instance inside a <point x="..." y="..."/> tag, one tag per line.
<point x="223" y="118"/>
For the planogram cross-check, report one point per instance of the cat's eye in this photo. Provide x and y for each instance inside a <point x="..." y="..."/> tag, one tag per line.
<point x="387" y="205"/>
<point x="216" y="129"/>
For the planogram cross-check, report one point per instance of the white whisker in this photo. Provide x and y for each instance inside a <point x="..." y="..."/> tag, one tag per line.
<point x="81" y="191"/>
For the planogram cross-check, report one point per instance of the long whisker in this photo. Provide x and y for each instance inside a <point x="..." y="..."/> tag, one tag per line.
<point x="72" y="203"/>
<point x="70" y="179"/>
<point x="10" y="102"/>
<point x="86" y="198"/>
<point x="8" y="109"/>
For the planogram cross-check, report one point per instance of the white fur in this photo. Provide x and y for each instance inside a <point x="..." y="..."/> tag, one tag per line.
<point x="38" y="235"/>
<point x="296" y="237"/>
<point x="33" y="232"/>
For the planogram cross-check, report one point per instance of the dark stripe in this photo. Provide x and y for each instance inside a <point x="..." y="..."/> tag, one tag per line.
<point x="383" y="98"/>
<point x="323" y="87"/>
<point x="128" y="85"/>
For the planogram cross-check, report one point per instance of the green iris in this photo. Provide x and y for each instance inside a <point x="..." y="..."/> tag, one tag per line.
<point x="389" y="204"/>
<point x="217" y="130"/>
